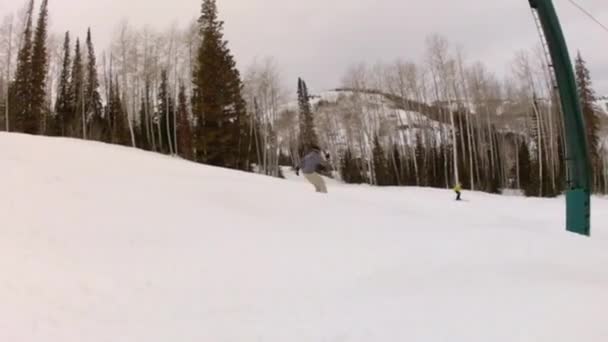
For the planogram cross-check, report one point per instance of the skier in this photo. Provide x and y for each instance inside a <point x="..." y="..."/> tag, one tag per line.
<point x="310" y="165"/>
<point x="458" y="191"/>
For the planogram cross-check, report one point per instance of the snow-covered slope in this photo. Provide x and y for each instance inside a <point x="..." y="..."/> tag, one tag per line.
<point x="103" y="243"/>
<point x="372" y="112"/>
<point x="378" y="104"/>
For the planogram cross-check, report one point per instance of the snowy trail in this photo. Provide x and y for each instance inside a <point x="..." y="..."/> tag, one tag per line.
<point x="103" y="243"/>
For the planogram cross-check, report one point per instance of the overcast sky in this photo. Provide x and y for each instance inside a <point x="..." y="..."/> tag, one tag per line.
<point x="319" y="39"/>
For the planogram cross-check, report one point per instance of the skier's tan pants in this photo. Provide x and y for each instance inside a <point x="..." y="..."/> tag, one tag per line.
<point x="317" y="181"/>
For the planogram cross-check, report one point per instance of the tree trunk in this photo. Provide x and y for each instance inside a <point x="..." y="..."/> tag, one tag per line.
<point x="8" y="76"/>
<point x="539" y="147"/>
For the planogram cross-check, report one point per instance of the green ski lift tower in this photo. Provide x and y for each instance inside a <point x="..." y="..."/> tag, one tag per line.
<point x="578" y="195"/>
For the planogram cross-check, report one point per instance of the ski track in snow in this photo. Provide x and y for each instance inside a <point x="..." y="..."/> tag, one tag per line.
<point x="105" y="243"/>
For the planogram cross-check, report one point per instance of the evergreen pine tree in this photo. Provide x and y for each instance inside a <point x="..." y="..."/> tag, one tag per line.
<point x="21" y="88"/>
<point x="397" y="176"/>
<point x="184" y="131"/>
<point x="217" y="101"/>
<point x="424" y="176"/>
<point x="75" y="121"/>
<point x="145" y="124"/>
<point x="3" y="105"/>
<point x="116" y="116"/>
<point x="111" y="111"/>
<point x="308" y="136"/>
<point x="346" y="162"/>
<point x="434" y="172"/>
<point x="590" y="112"/>
<point x="63" y="109"/>
<point x="39" y="64"/>
<point x="350" y="170"/>
<point x="241" y="128"/>
<point x="122" y="133"/>
<point x="527" y="179"/>
<point x="381" y="168"/>
<point x="561" y="178"/>
<point x="284" y="158"/>
<point x="92" y="99"/>
<point x="140" y="129"/>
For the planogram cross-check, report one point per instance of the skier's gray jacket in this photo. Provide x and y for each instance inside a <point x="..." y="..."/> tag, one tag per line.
<point x="310" y="163"/>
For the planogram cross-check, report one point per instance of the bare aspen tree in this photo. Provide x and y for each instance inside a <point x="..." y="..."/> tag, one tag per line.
<point x="550" y="93"/>
<point x="266" y="94"/>
<point x="147" y="76"/>
<point x="170" y="51"/>
<point x="439" y="63"/>
<point x="528" y="93"/>
<point x="124" y="45"/>
<point x="55" y="57"/>
<point x="467" y="101"/>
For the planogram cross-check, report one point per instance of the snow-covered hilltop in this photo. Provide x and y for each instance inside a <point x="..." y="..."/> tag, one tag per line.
<point x="402" y="121"/>
<point x="105" y="243"/>
<point x="602" y="103"/>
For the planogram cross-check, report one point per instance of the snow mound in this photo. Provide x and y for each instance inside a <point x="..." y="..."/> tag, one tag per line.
<point x="104" y="243"/>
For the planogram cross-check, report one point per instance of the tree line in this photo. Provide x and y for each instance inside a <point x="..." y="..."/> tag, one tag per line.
<point x="446" y="121"/>
<point x="438" y="122"/>
<point x="203" y="117"/>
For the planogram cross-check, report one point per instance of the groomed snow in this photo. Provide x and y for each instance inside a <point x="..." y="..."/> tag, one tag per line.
<point x="103" y="243"/>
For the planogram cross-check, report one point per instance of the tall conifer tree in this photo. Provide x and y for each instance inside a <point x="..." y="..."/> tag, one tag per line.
<point x="75" y="122"/>
<point x="590" y="113"/>
<point x="63" y="110"/>
<point x="381" y="167"/>
<point x="22" y="86"/>
<point x="217" y="101"/>
<point x="92" y="99"/>
<point x="184" y="132"/>
<point x="34" y="117"/>
<point x="308" y="136"/>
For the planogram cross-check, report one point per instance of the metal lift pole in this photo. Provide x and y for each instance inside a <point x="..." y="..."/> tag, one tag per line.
<point x="578" y="195"/>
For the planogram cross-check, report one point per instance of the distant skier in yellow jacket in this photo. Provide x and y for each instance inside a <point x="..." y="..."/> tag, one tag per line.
<point x="458" y="191"/>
